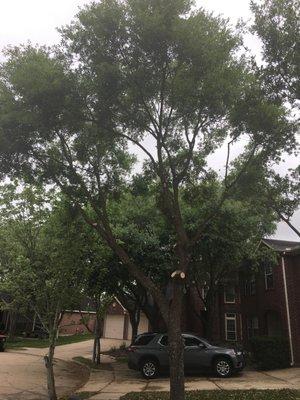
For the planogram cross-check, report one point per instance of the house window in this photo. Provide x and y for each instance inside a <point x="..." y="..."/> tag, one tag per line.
<point x="250" y="286"/>
<point x="229" y="294"/>
<point x="269" y="280"/>
<point x="252" y="325"/>
<point x="230" y="327"/>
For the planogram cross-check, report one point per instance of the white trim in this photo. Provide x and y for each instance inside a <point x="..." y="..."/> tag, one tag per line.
<point x="269" y="274"/>
<point x="118" y="301"/>
<point x="235" y="323"/>
<point x="241" y="326"/>
<point x="235" y="295"/>
<point x="79" y="312"/>
<point x="287" y="310"/>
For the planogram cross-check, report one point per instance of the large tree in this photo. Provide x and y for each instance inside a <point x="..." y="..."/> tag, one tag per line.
<point x="276" y="22"/>
<point x="155" y="75"/>
<point x="277" y="25"/>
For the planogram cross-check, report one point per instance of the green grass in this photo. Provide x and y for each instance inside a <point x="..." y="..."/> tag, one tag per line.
<point x="218" y="395"/>
<point x="82" y="395"/>
<point x="91" y="365"/>
<point x="43" y="343"/>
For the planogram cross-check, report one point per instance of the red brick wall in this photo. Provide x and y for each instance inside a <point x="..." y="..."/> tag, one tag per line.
<point x="71" y="323"/>
<point x="293" y="285"/>
<point x="264" y="301"/>
<point x="259" y="305"/>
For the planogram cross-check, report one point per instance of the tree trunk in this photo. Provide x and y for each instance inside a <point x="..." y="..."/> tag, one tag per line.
<point x="33" y="323"/>
<point x="12" y="324"/>
<point x="155" y="319"/>
<point x="134" y="317"/>
<point x="98" y="357"/>
<point x="49" y="367"/>
<point x="176" y="348"/>
<point x="94" y="349"/>
<point x="209" y="314"/>
<point x="97" y="344"/>
<point x="97" y="350"/>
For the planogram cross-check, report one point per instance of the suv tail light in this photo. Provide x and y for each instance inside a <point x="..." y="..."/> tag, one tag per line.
<point x="131" y="349"/>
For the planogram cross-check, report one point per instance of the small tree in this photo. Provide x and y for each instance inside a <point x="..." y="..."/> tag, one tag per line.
<point x="41" y="271"/>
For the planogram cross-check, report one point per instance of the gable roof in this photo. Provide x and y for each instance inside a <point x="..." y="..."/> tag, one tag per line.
<point x="280" y="246"/>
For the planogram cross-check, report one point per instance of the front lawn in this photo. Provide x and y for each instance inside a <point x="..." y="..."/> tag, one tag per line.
<point x="218" y="395"/>
<point x="20" y="342"/>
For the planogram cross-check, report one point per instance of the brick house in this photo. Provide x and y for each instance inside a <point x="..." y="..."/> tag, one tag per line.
<point x="116" y="322"/>
<point x="265" y="303"/>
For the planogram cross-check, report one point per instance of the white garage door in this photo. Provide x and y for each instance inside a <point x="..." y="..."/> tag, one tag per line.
<point x="114" y="326"/>
<point x="144" y="324"/>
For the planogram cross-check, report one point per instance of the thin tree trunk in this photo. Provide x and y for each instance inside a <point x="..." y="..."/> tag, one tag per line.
<point x="288" y="222"/>
<point x="49" y="367"/>
<point x="12" y="324"/>
<point x="97" y="344"/>
<point x="176" y="348"/>
<point x="134" y="317"/>
<point x="33" y="323"/>
<point x="98" y="353"/>
<point x="154" y="317"/>
<point x="94" y="349"/>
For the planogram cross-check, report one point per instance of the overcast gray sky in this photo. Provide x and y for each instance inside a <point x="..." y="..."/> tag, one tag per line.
<point x="37" y="20"/>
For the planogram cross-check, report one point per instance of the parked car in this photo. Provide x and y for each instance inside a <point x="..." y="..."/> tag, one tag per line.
<point x="149" y="354"/>
<point x="2" y="342"/>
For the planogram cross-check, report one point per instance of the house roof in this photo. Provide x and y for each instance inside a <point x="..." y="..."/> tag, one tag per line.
<point x="285" y="246"/>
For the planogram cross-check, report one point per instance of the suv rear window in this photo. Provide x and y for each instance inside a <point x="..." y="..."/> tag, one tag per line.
<point x="143" y="340"/>
<point x="164" y="340"/>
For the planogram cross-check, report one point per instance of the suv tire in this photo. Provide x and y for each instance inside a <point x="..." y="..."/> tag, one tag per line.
<point x="149" y="368"/>
<point x="223" y="367"/>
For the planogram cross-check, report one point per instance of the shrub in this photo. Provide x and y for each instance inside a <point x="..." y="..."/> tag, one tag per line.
<point x="217" y="395"/>
<point x="270" y="352"/>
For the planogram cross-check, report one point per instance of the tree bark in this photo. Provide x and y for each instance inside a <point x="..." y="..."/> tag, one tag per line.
<point x="12" y="324"/>
<point x="49" y="367"/>
<point x="176" y="348"/>
<point x="97" y="344"/>
<point x="134" y="317"/>
<point x="155" y="319"/>
<point x="97" y="350"/>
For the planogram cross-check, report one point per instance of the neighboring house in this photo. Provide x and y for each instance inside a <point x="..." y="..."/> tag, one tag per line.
<point x="71" y="322"/>
<point x="265" y="303"/>
<point x="116" y="322"/>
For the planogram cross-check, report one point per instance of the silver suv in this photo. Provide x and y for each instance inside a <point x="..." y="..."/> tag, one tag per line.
<point x="149" y="354"/>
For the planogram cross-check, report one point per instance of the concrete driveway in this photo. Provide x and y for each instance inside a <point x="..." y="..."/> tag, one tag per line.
<point x="111" y="384"/>
<point x="23" y="375"/>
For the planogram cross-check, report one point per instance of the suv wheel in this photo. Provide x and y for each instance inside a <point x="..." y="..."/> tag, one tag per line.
<point x="223" y="367"/>
<point x="149" y="369"/>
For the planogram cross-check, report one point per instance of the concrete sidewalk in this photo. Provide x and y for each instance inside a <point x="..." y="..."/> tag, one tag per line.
<point x="23" y="377"/>
<point x="23" y="373"/>
<point x="111" y="384"/>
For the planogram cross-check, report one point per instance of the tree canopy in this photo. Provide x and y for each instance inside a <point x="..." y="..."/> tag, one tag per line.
<point x="158" y="75"/>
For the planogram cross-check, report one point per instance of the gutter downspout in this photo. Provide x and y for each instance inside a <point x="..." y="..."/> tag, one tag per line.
<point x="287" y="309"/>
